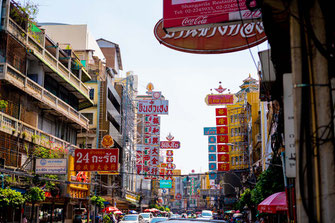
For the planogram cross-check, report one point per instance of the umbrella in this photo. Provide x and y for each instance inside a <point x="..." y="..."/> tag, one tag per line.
<point x="237" y="215"/>
<point x="117" y="212"/>
<point x="132" y="212"/>
<point x="274" y="203"/>
<point x="154" y="210"/>
<point x="110" y="209"/>
<point x="238" y="211"/>
<point x="147" y="210"/>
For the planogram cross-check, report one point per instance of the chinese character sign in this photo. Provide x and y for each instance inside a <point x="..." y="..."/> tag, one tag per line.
<point x="96" y="159"/>
<point x="221" y="112"/>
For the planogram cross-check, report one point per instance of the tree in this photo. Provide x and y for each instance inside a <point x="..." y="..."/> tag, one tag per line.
<point x="268" y="182"/>
<point x="245" y="200"/>
<point x="34" y="195"/>
<point x="10" y="198"/>
<point x="97" y="201"/>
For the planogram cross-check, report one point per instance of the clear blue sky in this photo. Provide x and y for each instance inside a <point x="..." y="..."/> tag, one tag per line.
<point x="183" y="78"/>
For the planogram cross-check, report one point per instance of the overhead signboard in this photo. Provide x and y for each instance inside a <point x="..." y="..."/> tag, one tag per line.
<point x="165" y="184"/>
<point x="96" y="159"/>
<point x="223" y="148"/>
<point x="51" y="166"/>
<point x="221" y="121"/>
<point x="216" y="40"/>
<point x="219" y="99"/>
<point x="153" y="107"/>
<point x="185" y="14"/>
<point x="223" y="157"/>
<point x="222" y="130"/>
<point x="222" y="139"/>
<point x="209" y="131"/>
<point x="169" y="144"/>
<point x="212" y="148"/>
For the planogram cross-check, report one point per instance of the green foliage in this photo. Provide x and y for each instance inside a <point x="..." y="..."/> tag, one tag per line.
<point x="50" y="185"/>
<point x="161" y="208"/>
<point x="245" y="200"/>
<point x="45" y="153"/>
<point x="98" y="201"/>
<point x="34" y="195"/>
<point x="167" y="209"/>
<point x="3" y="104"/>
<point x="107" y="219"/>
<point x="269" y="182"/>
<point x="12" y="198"/>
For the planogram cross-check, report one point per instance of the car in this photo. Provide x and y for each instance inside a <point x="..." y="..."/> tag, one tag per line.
<point x="158" y="219"/>
<point x="147" y="216"/>
<point x="206" y="215"/>
<point x="183" y="220"/>
<point x="132" y="218"/>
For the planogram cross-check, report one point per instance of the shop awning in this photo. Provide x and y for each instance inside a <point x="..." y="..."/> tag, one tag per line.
<point x="274" y="203"/>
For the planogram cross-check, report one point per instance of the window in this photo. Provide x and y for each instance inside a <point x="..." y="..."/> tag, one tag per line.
<point x="92" y="93"/>
<point x="89" y="116"/>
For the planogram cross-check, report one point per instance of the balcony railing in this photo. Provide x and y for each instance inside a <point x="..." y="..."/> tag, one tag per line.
<point x="36" y="45"/>
<point x="15" y="127"/>
<point x="10" y="74"/>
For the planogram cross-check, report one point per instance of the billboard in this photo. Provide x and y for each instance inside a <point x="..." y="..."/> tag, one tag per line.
<point x="186" y="14"/>
<point x="51" y="166"/>
<point x="209" y="131"/>
<point x="165" y="184"/>
<point x="153" y="107"/>
<point x="96" y="159"/>
<point x="169" y="144"/>
<point x="221" y="111"/>
<point x="222" y="39"/>
<point x="219" y="99"/>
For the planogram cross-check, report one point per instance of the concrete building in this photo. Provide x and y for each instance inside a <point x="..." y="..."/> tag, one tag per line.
<point x="44" y="87"/>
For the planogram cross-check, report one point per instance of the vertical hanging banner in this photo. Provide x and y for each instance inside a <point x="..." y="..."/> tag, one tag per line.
<point x="221" y="112"/>
<point x="212" y="139"/>
<point x="223" y="167"/>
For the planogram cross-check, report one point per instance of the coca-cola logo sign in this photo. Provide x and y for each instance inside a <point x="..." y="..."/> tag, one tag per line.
<point x="201" y="20"/>
<point x="169" y="144"/>
<point x="220" y="39"/>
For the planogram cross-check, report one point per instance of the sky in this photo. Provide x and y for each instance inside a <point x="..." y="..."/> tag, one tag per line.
<point x="183" y="78"/>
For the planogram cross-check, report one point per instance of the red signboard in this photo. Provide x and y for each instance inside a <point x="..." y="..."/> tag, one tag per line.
<point x="182" y="14"/>
<point x="96" y="159"/>
<point x="215" y="40"/>
<point x="221" y="121"/>
<point x="223" y="149"/>
<point x="222" y="139"/>
<point x="223" y="167"/>
<point x="223" y="157"/>
<point x="219" y="99"/>
<point x="178" y="196"/>
<point x="222" y="130"/>
<point x="221" y="111"/>
<point x="169" y="159"/>
<point x="170" y="144"/>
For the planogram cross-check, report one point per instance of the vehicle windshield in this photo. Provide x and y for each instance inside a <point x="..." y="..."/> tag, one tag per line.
<point x="145" y="215"/>
<point x="130" y="218"/>
<point x="206" y="214"/>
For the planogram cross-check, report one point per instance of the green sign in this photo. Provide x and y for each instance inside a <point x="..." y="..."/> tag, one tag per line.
<point x="165" y="184"/>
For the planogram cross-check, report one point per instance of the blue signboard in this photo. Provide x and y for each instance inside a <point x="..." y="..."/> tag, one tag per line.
<point x="211" y="139"/>
<point x="212" y="166"/>
<point x="165" y="184"/>
<point x="209" y="131"/>
<point x="212" y="157"/>
<point x="212" y="175"/>
<point x="212" y="148"/>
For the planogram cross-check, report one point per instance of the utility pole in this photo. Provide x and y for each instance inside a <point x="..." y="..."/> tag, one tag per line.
<point x="311" y="81"/>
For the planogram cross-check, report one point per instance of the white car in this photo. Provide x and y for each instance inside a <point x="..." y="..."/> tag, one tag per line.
<point x="132" y="218"/>
<point x="206" y="215"/>
<point x="147" y="216"/>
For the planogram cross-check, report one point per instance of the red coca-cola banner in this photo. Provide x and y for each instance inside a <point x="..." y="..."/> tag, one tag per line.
<point x="182" y="14"/>
<point x="96" y="159"/>
<point x="169" y="144"/>
<point x="222" y="139"/>
<point x="223" y="149"/>
<point x="222" y="130"/>
<point x="223" y="167"/>
<point x="221" y="111"/>
<point x="221" y="121"/>
<point x="219" y="99"/>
